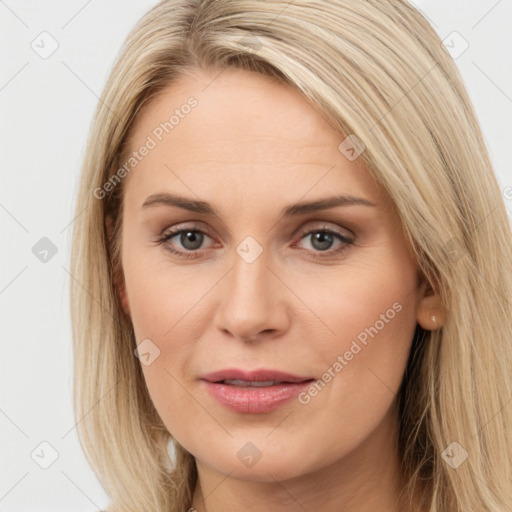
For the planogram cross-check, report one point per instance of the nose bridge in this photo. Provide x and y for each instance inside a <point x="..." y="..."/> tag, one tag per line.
<point x="251" y="301"/>
<point x="249" y="282"/>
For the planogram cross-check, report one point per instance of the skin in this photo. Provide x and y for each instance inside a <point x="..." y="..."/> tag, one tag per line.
<point x="251" y="147"/>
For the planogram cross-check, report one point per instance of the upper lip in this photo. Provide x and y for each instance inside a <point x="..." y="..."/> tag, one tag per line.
<point x="260" y="375"/>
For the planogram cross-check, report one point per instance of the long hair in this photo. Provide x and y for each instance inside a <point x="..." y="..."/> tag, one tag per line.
<point x="375" y="70"/>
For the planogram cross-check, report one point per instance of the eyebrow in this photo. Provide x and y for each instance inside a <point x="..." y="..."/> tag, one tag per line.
<point x="193" y="205"/>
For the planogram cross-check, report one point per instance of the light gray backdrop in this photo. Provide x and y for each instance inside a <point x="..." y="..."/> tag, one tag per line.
<point x="55" y="57"/>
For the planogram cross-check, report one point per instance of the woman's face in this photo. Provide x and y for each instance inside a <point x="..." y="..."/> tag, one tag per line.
<point x="257" y="280"/>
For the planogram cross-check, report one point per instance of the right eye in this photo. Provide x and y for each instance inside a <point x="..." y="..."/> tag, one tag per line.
<point x="189" y="238"/>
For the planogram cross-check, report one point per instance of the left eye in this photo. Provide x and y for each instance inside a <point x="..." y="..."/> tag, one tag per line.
<point x="322" y="239"/>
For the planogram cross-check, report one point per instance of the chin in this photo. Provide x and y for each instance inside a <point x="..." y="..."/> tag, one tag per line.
<point x="266" y="464"/>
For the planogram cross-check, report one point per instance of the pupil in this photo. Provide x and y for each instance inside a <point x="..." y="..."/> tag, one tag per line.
<point x="325" y="239"/>
<point x="191" y="236"/>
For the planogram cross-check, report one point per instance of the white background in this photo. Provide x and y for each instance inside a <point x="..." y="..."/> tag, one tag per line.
<point x="46" y="107"/>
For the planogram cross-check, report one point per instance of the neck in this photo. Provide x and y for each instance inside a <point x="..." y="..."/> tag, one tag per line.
<point x="368" y="478"/>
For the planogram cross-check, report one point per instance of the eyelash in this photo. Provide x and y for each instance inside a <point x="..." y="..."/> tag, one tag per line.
<point x="316" y="254"/>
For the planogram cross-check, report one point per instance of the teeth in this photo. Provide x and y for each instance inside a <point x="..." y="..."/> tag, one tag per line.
<point x="246" y="383"/>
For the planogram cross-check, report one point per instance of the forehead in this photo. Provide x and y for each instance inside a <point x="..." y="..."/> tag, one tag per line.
<point x="245" y="130"/>
<point x="243" y="101"/>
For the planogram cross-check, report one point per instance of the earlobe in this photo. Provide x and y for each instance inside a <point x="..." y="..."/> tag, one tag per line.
<point x="431" y="314"/>
<point x="119" y="283"/>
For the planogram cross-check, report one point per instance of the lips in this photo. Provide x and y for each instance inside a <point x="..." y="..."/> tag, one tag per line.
<point x="259" y="378"/>
<point x="253" y="392"/>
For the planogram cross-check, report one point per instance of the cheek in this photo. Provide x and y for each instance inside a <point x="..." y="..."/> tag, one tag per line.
<point x="166" y="308"/>
<point x="372" y="313"/>
<point x="162" y="311"/>
<point x="367" y="299"/>
<point x="159" y="295"/>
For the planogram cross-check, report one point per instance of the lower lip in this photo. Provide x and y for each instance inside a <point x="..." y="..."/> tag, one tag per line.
<point x="253" y="400"/>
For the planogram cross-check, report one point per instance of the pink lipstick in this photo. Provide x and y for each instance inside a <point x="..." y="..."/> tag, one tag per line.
<point x="254" y="392"/>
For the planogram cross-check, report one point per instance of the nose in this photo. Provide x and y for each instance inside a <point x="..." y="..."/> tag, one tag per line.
<point x="252" y="303"/>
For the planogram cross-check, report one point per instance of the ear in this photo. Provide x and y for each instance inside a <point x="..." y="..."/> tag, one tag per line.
<point x="119" y="283"/>
<point x="431" y="314"/>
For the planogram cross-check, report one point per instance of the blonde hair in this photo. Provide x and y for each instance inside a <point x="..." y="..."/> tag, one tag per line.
<point x="376" y="70"/>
